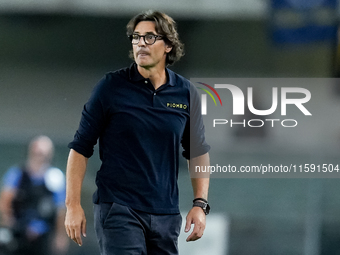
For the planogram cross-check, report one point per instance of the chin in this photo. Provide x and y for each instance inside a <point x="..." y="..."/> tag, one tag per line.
<point x="144" y="64"/>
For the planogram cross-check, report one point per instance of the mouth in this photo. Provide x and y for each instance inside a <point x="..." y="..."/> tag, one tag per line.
<point x="142" y="53"/>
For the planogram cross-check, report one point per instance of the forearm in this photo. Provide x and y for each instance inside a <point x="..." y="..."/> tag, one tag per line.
<point x="6" y="199"/>
<point x="200" y="181"/>
<point x="75" y="221"/>
<point x="200" y="187"/>
<point x="75" y="172"/>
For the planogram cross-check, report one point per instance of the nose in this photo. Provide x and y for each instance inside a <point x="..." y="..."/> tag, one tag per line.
<point x="142" y="41"/>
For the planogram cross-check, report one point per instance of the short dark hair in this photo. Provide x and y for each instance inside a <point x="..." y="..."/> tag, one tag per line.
<point x="165" y="26"/>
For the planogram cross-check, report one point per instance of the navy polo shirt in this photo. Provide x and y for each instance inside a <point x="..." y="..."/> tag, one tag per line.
<point x="140" y="131"/>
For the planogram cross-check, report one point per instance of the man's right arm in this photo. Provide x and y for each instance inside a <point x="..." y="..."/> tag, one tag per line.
<point x="75" y="221"/>
<point x="6" y="199"/>
<point x="11" y="182"/>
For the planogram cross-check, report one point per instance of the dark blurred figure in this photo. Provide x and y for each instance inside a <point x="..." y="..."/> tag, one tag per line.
<point x="32" y="204"/>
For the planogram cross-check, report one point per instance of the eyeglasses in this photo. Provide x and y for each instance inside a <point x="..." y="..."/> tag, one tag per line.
<point x="149" y="39"/>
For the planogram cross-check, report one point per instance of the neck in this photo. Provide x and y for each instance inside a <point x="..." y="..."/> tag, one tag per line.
<point x="157" y="76"/>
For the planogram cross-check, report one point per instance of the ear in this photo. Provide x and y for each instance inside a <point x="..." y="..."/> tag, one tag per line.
<point x="168" y="48"/>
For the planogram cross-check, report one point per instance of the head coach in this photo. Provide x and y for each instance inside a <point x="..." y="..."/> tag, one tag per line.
<point x="141" y="115"/>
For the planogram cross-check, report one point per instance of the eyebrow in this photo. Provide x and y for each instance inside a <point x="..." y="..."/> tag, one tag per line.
<point x="136" y="32"/>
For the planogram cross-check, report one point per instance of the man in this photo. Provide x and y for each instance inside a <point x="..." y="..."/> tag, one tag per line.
<point x="140" y="115"/>
<point x="32" y="202"/>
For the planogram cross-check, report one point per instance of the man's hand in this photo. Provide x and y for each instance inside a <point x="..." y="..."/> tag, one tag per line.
<point x="195" y="216"/>
<point x="75" y="224"/>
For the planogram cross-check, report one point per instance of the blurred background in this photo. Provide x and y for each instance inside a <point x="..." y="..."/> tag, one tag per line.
<point x="52" y="53"/>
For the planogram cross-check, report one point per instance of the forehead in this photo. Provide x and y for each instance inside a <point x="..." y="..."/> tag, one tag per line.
<point x="145" y="26"/>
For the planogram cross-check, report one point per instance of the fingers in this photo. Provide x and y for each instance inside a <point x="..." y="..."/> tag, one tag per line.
<point x="196" y="216"/>
<point x="74" y="233"/>
<point x="75" y="227"/>
<point x="83" y="228"/>
<point x="67" y="230"/>
<point x="197" y="232"/>
<point x="188" y="224"/>
<point x="77" y="237"/>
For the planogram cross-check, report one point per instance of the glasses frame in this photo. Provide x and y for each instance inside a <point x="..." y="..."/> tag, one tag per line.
<point x="156" y="37"/>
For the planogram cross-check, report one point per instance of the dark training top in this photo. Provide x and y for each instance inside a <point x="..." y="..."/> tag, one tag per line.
<point x="140" y="130"/>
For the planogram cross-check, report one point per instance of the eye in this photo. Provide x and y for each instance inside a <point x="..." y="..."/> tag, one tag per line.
<point x="135" y="37"/>
<point x="149" y="36"/>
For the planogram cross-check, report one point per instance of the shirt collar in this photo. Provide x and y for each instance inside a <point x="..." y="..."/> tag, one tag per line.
<point x="134" y="75"/>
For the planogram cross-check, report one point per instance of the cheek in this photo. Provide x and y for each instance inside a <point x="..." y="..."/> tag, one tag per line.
<point x="163" y="50"/>
<point x="134" y="51"/>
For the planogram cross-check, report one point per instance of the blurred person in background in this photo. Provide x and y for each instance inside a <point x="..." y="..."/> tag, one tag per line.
<point x="32" y="203"/>
<point x="140" y="115"/>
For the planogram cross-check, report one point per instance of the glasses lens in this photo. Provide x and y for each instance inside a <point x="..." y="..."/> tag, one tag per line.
<point x="135" y="38"/>
<point x="150" y="39"/>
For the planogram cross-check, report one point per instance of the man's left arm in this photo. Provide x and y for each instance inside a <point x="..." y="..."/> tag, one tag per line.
<point x="200" y="185"/>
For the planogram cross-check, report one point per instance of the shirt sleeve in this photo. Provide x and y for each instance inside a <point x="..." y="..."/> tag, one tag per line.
<point x="92" y="122"/>
<point x="193" y="140"/>
<point x="12" y="178"/>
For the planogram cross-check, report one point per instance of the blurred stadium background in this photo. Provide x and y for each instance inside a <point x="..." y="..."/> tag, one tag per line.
<point x="53" y="53"/>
